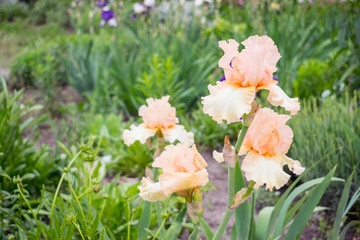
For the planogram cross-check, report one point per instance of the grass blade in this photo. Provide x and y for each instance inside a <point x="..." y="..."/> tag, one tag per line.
<point x="305" y="212"/>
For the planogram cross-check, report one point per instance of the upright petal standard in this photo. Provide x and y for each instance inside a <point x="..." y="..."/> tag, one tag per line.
<point x="246" y="72"/>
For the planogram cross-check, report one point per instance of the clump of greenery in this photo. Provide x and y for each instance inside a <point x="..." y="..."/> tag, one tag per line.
<point x="328" y="130"/>
<point x="18" y="153"/>
<point x="313" y="78"/>
<point x="12" y="11"/>
<point x="85" y="203"/>
<point x="51" y="11"/>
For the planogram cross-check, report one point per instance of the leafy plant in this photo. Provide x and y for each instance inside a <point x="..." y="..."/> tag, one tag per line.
<point x="332" y="130"/>
<point x="18" y="131"/>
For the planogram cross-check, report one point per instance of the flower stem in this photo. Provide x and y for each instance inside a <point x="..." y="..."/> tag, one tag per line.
<point x="228" y="213"/>
<point x="27" y="203"/>
<point x="59" y="185"/>
<point x="231" y="188"/>
<point x="76" y="198"/>
<point x="161" y="226"/>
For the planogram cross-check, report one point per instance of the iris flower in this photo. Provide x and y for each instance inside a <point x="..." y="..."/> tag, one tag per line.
<point x="158" y="118"/>
<point x="183" y="169"/>
<point x="266" y="142"/>
<point x="245" y="73"/>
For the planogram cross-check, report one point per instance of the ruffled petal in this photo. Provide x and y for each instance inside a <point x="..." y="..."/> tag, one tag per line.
<point x="179" y="181"/>
<point x="230" y="49"/>
<point x="294" y="165"/>
<point x="228" y="102"/>
<point x="178" y="132"/>
<point x="151" y="191"/>
<point x="266" y="170"/>
<point x="218" y="156"/>
<point x="278" y="97"/>
<point x="140" y="133"/>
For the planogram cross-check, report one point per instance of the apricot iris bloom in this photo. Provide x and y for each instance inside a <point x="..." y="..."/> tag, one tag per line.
<point x="183" y="169"/>
<point x="266" y="142"/>
<point x="246" y="72"/>
<point x="159" y="118"/>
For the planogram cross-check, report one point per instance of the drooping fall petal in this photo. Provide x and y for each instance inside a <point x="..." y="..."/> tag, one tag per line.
<point x="138" y="133"/>
<point x="179" y="133"/>
<point x="264" y="170"/>
<point x="278" y="97"/>
<point x="151" y="191"/>
<point x="172" y="182"/>
<point x="228" y="102"/>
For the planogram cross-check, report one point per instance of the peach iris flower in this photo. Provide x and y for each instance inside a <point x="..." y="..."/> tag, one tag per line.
<point x="267" y="141"/>
<point x="246" y="72"/>
<point x="183" y="169"/>
<point x="159" y="118"/>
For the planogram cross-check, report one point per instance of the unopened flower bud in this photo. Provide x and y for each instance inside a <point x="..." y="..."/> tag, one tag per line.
<point x="243" y="195"/>
<point x="66" y="169"/>
<point x="250" y="117"/>
<point x="164" y="215"/>
<point x="229" y="153"/>
<point x="195" y="207"/>
<point x="96" y="188"/>
<point x="105" y="196"/>
<point x="83" y="147"/>
<point x="17" y="180"/>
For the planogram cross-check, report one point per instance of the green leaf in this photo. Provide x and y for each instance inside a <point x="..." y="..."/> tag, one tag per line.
<point x="175" y="228"/>
<point x="263" y="222"/>
<point x="22" y="234"/>
<point x="206" y="228"/>
<point x="305" y="212"/>
<point x="195" y="234"/>
<point x="144" y="221"/>
<point x="340" y="210"/>
<point x="233" y="233"/>
<point x="62" y="146"/>
<point x="347" y="227"/>
<point x="242" y="213"/>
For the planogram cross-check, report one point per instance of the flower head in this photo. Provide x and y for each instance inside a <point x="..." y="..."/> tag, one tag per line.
<point x="267" y="141"/>
<point x="183" y="170"/>
<point x="159" y="117"/>
<point x="246" y="72"/>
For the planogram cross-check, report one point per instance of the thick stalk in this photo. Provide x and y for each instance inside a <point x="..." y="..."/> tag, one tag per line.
<point x="231" y="189"/>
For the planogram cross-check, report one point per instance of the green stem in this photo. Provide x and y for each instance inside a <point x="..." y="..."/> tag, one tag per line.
<point x="161" y="226"/>
<point x="64" y="218"/>
<point x="77" y="226"/>
<point x="129" y="221"/>
<point x="231" y="189"/>
<point x="90" y="193"/>
<point x="27" y="203"/>
<point x="228" y="213"/>
<point x="158" y="214"/>
<point x="15" y="221"/>
<point x="83" y="194"/>
<point x="76" y="198"/>
<point x="252" y="223"/>
<point x="59" y="185"/>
